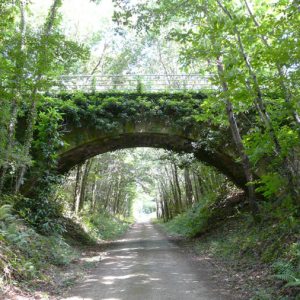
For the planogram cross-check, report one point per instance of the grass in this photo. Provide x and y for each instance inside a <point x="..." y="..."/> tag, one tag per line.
<point x="104" y="226"/>
<point x="263" y="259"/>
<point x="25" y="255"/>
<point x="32" y="261"/>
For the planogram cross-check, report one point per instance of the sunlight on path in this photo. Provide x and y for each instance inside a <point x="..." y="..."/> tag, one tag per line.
<point x="143" y="218"/>
<point x="145" y="265"/>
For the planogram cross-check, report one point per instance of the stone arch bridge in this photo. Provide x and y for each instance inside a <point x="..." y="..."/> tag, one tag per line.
<point x="99" y="122"/>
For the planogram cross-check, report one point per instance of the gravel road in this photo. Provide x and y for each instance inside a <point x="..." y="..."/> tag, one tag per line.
<point x="144" y="265"/>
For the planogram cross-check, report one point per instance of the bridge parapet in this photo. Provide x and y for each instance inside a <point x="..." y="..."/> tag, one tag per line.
<point x="151" y="83"/>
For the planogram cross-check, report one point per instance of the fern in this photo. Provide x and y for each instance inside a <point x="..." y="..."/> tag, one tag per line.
<point x="24" y="253"/>
<point x="286" y="273"/>
<point x="5" y="213"/>
<point x="285" y="277"/>
<point x="293" y="283"/>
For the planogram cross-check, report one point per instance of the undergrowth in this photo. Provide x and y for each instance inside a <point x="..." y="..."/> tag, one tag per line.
<point x="204" y="215"/>
<point x="26" y="256"/>
<point x="103" y="226"/>
<point x="268" y="254"/>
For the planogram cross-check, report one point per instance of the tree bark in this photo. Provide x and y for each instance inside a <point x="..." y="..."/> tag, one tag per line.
<point x="196" y="188"/>
<point x="188" y="188"/>
<point x="87" y="169"/>
<point x="78" y="187"/>
<point x="117" y="195"/>
<point x="168" y="214"/>
<point x="107" y="196"/>
<point x="175" y="175"/>
<point x="94" y="189"/>
<point x="174" y="192"/>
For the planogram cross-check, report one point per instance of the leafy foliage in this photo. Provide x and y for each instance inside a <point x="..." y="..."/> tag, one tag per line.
<point x="25" y="253"/>
<point x="42" y="212"/>
<point x="105" y="227"/>
<point x="202" y="217"/>
<point x="108" y="110"/>
<point x="254" y="67"/>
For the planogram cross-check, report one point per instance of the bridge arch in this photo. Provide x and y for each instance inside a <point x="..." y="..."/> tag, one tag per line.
<point x="86" y="142"/>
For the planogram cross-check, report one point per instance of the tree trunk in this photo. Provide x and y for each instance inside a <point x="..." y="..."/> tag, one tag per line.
<point x="107" y="196"/>
<point x="240" y="146"/>
<point x="85" y="178"/>
<point x="166" y="208"/>
<point x="166" y="196"/>
<point x="94" y="188"/>
<point x="10" y="137"/>
<point x="188" y="188"/>
<point x="117" y="195"/>
<point x="175" y="176"/>
<point x="201" y="187"/>
<point x="174" y="192"/>
<point x="161" y="201"/>
<point x="78" y="187"/>
<point x="27" y="145"/>
<point x="196" y="188"/>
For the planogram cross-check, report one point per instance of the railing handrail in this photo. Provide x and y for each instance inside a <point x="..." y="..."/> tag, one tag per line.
<point x="149" y="82"/>
<point x="137" y="75"/>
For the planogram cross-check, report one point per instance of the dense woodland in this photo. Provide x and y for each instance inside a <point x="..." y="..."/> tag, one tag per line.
<point x="250" y="51"/>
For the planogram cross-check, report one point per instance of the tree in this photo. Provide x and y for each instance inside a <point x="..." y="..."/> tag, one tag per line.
<point x="32" y="58"/>
<point x="237" y="43"/>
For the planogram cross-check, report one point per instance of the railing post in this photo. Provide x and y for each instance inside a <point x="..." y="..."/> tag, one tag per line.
<point x="184" y="87"/>
<point x="139" y="86"/>
<point x="93" y="84"/>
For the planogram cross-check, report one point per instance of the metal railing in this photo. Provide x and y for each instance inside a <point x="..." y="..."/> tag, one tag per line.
<point x="155" y="82"/>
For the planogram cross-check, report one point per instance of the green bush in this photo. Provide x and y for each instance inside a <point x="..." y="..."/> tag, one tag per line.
<point x="197" y="219"/>
<point x="109" y="227"/>
<point x="103" y="226"/>
<point x="25" y="253"/>
<point x="42" y="214"/>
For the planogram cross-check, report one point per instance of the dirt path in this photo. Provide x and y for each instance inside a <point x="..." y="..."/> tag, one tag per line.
<point x="144" y="265"/>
